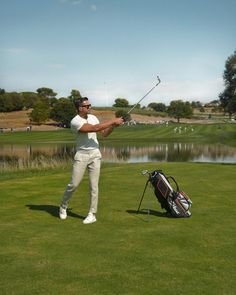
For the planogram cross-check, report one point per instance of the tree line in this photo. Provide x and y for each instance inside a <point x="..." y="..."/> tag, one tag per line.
<point x="45" y="105"/>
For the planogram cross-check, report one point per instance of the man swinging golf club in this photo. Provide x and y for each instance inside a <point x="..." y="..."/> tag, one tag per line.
<point x="88" y="156"/>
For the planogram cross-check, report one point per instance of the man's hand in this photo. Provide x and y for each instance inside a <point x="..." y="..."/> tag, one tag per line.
<point x="118" y="121"/>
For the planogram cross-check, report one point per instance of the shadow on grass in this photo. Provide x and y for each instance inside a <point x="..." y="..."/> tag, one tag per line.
<point x="53" y="210"/>
<point x="150" y="212"/>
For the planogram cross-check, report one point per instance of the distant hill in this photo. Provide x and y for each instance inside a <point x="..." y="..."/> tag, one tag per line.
<point x="19" y="120"/>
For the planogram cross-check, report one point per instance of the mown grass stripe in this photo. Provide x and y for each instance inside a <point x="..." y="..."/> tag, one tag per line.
<point x="123" y="253"/>
<point x="225" y="133"/>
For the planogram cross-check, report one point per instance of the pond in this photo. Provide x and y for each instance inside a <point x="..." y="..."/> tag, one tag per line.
<point x="26" y="155"/>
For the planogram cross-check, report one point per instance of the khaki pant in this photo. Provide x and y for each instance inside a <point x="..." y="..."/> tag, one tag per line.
<point x="83" y="160"/>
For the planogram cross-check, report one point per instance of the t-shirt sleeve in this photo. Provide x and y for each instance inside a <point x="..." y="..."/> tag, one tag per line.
<point x="96" y="121"/>
<point x="76" y="124"/>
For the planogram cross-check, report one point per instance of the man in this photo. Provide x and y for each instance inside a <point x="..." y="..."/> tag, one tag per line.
<point x="87" y="156"/>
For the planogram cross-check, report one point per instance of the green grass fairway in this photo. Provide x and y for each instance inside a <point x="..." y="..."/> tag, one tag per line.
<point x="210" y="133"/>
<point x="122" y="253"/>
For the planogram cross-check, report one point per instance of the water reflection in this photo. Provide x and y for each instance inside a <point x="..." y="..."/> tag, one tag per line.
<point x="34" y="156"/>
<point x="40" y="155"/>
<point x="171" y="152"/>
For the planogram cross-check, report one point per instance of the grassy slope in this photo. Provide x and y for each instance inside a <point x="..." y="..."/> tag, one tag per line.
<point x="123" y="253"/>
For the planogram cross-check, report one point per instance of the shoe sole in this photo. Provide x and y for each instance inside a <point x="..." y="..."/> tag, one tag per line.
<point x="90" y="222"/>
<point x="62" y="218"/>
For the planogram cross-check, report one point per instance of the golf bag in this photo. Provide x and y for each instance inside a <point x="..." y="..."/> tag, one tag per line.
<point x="175" y="202"/>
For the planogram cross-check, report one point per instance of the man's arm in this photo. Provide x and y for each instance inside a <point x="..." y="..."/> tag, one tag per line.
<point x="104" y="128"/>
<point x="107" y="131"/>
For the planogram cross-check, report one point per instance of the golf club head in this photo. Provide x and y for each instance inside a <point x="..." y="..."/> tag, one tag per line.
<point x="143" y="172"/>
<point x="159" y="81"/>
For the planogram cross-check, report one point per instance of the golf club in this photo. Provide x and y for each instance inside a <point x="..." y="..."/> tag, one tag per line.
<point x="159" y="81"/>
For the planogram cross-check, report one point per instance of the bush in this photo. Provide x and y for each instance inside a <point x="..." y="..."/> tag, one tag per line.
<point x="123" y="114"/>
<point x="63" y="111"/>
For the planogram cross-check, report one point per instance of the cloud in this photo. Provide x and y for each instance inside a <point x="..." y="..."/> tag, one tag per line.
<point x="56" y="66"/>
<point x="93" y="7"/>
<point x="72" y="2"/>
<point x="75" y="2"/>
<point x="15" y="50"/>
<point x="203" y="91"/>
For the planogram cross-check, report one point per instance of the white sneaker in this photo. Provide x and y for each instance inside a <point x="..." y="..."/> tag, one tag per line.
<point x="90" y="219"/>
<point x="62" y="213"/>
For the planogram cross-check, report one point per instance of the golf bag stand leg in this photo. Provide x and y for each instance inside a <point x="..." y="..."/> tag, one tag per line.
<point x="142" y="196"/>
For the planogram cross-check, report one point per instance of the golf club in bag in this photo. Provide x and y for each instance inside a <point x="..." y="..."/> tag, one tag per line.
<point x="175" y="202"/>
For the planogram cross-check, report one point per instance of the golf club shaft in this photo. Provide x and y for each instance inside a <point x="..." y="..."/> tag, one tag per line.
<point x="159" y="81"/>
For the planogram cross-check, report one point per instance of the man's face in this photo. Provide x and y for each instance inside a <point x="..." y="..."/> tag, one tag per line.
<point x="85" y="107"/>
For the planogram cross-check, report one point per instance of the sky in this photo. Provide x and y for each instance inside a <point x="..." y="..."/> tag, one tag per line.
<point x="110" y="49"/>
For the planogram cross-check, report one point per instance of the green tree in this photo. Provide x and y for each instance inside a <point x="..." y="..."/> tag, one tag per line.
<point x="75" y="94"/>
<point x="63" y="111"/>
<point x="123" y="114"/>
<point x="2" y="103"/>
<point x="228" y="96"/>
<point x="137" y="106"/>
<point x="11" y="101"/>
<point x="29" y="99"/>
<point x="196" y="104"/>
<point x="47" y="95"/>
<point x="215" y="102"/>
<point x="158" y="107"/>
<point x="40" y="113"/>
<point x="179" y="109"/>
<point x="121" y="103"/>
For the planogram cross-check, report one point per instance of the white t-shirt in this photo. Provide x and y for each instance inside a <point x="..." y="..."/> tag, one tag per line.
<point x="84" y="140"/>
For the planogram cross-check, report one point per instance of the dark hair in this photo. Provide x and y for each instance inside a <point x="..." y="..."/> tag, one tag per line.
<point x="78" y="102"/>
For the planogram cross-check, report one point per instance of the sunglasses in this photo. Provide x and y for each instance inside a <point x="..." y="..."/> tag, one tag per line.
<point x="87" y="106"/>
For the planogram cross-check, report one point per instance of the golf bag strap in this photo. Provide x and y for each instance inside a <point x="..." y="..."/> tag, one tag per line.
<point x="177" y="186"/>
